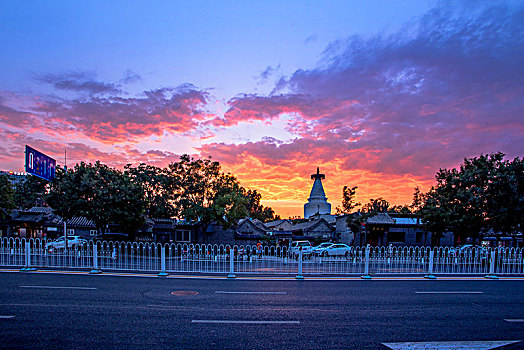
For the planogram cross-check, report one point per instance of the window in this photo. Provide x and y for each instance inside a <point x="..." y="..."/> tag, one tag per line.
<point x="70" y="231"/>
<point x="183" y="236"/>
<point x="92" y="232"/>
<point x="418" y="237"/>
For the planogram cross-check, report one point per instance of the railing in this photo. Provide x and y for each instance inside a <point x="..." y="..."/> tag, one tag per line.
<point x="268" y="260"/>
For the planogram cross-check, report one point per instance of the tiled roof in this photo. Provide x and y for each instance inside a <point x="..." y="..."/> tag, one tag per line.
<point x="380" y="219"/>
<point x="28" y="217"/>
<point x="304" y="226"/>
<point x="163" y="223"/>
<point x="275" y="223"/>
<point x="44" y="210"/>
<point x="77" y="221"/>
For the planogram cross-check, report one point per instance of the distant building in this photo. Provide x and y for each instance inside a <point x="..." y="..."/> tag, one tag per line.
<point x="317" y="201"/>
<point x="14" y="177"/>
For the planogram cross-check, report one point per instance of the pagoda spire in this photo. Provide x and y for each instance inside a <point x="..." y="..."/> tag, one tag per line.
<point x="317" y="201"/>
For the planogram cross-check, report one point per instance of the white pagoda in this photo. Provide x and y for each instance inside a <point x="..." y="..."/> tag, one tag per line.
<point x="317" y="202"/>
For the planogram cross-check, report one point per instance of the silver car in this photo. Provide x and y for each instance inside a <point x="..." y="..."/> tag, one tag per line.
<point x="338" y="249"/>
<point x="73" y="242"/>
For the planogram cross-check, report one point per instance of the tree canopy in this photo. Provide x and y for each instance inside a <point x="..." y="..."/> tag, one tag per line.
<point x="99" y="193"/>
<point x="7" y="196"/>
<point x="192" y="189"/>
<point x="484" y="193"/>
<point x="30" y="192"/>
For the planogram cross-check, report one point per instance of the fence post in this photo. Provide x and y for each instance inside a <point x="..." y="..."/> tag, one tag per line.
<point x="299" y="276"/>
<point x="430" y="275"/>
<point x="366" y="275"/>
<point x="95" y="269"/>
<point x="27" y="266"/>
<point x="231" y="263"/>
<point x="491" y="274"/>
<point x="163" y="272"/>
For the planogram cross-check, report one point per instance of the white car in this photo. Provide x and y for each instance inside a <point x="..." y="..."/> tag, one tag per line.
<point x="73" y="242"/>
<point x="318" y="250"/>
<point x="295" y="247"/>
<point x="338" y="249"/>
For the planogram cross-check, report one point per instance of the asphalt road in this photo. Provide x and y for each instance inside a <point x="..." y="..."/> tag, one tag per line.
<point x="82" y="311"/>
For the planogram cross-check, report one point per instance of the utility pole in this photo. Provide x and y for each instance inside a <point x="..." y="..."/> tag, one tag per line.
<point x="65" y="220"/>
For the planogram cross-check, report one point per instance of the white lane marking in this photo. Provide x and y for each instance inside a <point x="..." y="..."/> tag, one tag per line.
<point x="451" y="345"/>
<point x="57" y="287"/>
<point x="244" y="322"/>
<point x="273" y="293"/>
<point x="516" y="320"/>
<point x="6" y="317"/>
<point x="450" y="292"/>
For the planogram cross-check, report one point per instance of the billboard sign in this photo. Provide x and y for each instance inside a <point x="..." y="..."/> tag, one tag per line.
<point x="38" y="164"/>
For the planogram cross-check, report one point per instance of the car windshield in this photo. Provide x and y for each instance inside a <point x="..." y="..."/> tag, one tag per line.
<point x="304" y="244"/>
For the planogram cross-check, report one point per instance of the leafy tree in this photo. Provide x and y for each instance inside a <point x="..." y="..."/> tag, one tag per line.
<point x="7" y="197"/>
<point x="348" y="200"/>
<point x="30" y="192"/>
<point x="485" y="193"/>
<point x="379" y="205"/>
<point x="353" y="220"/>
<point x="202" y="192"/>
<point x="157" y="194"/>
<point x="418" y="200"/>
<point x="257" y="210"/>
<point x="102" y="194"/>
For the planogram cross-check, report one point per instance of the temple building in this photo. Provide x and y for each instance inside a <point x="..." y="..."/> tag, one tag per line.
<point x="317" y="201"/>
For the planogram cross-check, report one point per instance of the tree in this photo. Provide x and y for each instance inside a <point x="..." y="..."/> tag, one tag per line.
<point x="379" y="205"/>
<point x="30" y="192"/>
<point x="348" y="200"/>
<point x="486" y="192"/>
<point x="155" y="188"/>
<point x="257" y="210"/>
<point x="101" y="194"/>
<point x="7" y="197"/>
<point x="418" y="200"/>
<point x="202" y="192"/>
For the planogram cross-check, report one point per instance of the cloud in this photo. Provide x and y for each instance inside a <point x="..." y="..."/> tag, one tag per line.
<point x="447" y="87"/>
<point x="266" y="74"/>
<point x="12" y="155"/>
<point x="112" y="118"/>
<point x="79" y="82"/>
<point x="130" y="77"/>
<point x="311" y="39"/>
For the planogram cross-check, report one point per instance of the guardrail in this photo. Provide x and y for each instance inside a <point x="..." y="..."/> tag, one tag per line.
<point x="269" y="260"/>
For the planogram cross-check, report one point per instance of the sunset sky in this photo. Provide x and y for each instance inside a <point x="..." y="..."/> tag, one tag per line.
<point x="378" y="94"/>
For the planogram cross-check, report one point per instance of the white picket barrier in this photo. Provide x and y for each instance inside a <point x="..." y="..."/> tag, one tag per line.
<point x="270" y="260"/>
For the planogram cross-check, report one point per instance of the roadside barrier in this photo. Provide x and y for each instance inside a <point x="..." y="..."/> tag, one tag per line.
<point x="231" y="260"/>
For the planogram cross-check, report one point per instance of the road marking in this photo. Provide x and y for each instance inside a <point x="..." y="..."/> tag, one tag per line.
<point x="515" y="320"/>
<point x="272" y="293"/>
<point x="244" y="322"/>
<point x="56" y="287"/>
<point x="450" y="292"/>
<point x="451" y="345"/>
<point x="6" y="317"/>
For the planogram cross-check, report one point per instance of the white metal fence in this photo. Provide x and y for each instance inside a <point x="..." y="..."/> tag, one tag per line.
<point x="268" y="260"/>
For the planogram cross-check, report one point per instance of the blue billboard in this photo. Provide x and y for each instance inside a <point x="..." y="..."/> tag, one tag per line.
<point x="38" y="164"/>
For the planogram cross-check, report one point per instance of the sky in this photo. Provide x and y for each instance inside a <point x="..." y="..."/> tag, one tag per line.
<point x="378" y="94"/>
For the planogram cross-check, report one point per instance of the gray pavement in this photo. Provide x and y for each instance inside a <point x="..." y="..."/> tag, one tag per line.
<point x="81" y="311"/>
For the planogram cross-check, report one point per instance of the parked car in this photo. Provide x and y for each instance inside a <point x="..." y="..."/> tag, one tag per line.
<point x="467" y="249"/>
<point x="318" y="250"/>
<point x="111" y="237"/>
<point x="295" y="247"/>
<point x="73" y="242"/>
<point x="338" y="249"/>
<point x="470" y="251"/>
